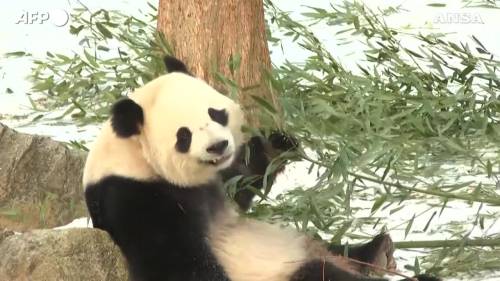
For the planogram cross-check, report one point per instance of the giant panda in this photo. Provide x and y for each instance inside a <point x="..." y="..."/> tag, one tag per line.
<point x="153" y="181"/>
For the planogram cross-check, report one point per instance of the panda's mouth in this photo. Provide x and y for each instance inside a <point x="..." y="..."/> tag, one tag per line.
<point x="217" y="161"/>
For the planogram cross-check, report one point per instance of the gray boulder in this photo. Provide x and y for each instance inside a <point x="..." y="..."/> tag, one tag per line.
<point x="65" y="255"/>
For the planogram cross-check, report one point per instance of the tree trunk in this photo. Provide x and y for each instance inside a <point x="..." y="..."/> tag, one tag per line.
<point x="207" y="34"/>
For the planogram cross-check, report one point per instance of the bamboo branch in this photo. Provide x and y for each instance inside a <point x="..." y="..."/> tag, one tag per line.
<point x="490" y="200"/>
<point x="435" y="192"/>
<point x="479" y="242"/>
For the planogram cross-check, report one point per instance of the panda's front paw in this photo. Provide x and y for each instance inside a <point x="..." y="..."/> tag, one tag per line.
<point x="282" y="141"/>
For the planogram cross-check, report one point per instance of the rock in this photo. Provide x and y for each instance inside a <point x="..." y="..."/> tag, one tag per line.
<point x="40" y="181"/>
<point x="5" y="233"/>
<point x="65" y="255"/>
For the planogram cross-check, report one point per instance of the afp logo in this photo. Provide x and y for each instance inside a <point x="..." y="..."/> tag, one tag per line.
<point x="55" y="17"/>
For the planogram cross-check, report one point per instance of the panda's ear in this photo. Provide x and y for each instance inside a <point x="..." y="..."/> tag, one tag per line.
<point x="173" y="64"/>
<point x="127" y="118"/>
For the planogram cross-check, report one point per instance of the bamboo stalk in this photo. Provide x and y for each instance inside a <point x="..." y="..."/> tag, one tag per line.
<point x="479" y="242"/>
<point x="432" y="244"/>
<point x="435" y="192"/>
<point x="475" y="198"/>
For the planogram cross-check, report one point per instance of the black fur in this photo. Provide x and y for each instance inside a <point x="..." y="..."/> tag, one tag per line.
<point x="282" y="141"/>
<point x="219" y="116"/>
<point x="366" y="252"/>
<point x="126" y="118"/>
<point x="257" y="165"/>
<point x="184" y="137"/>
<point x="218" y="148"/>
<point x="160" y="228"/>
<point x="259" y="159"/>
<point x="173" y="64"/>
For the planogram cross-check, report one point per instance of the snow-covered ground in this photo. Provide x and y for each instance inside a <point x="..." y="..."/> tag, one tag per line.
<point x="38" y="38"/>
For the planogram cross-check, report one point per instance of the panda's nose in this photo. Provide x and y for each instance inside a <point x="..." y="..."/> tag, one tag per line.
<point x="218" y="148"/>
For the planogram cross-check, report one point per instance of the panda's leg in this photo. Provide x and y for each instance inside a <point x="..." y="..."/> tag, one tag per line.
<point x="320" y="270"/>
<point x="378" y="252"/>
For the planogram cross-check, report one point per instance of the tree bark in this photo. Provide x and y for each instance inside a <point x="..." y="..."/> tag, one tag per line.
<point x="206" y="34"/>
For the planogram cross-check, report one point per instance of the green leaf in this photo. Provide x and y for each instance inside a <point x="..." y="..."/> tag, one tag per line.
<point x="414" y="53"/>
<point x="340" y="232"/>
<point x="466" y="71"/>
<point x="429" y="222"/>
<point x="16" y="54"/>
<point x="36" y="118"/>
<point x="75" y="30"/>
<point x="102" y="48"/>
<point x="437" y="5"/>
<point x="387" y="168"/>
<point x="489" y="168"/>
<point x="396" y="209"/>
<point x="90" y="59"/>
<point x="408" y="226"/>
<point x="104" y="30"/>
<point x="234" y="63"/>
<point x="416" y="266"/>
<point x="378" y="203"/>
<point x="264" y="104"/>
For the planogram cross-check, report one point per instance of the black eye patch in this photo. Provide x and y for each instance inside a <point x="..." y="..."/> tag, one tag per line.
<point x="219" y="116"/>
<point x="183" y="140"/>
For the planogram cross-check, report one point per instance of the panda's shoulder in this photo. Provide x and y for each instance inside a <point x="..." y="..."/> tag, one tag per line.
<point x="126" y="190"/>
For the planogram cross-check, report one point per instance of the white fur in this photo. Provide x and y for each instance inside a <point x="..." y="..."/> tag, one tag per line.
<point x="177" y="100"/>
<point x="111" y="155"/>
<point x="251" y="250"/>
<point x="169" y="102"/>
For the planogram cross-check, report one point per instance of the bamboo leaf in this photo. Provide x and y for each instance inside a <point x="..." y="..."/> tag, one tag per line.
<point x="408" y="226"/>
<point x="104" y="30"/>
<point x="436" y="5"/>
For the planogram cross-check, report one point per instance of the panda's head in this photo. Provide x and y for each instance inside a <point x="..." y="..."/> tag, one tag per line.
<point x="187" y="131"/>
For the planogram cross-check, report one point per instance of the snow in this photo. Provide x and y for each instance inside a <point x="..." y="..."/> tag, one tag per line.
<point x="39" y="38"/>
<point x="77" y="223"/>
